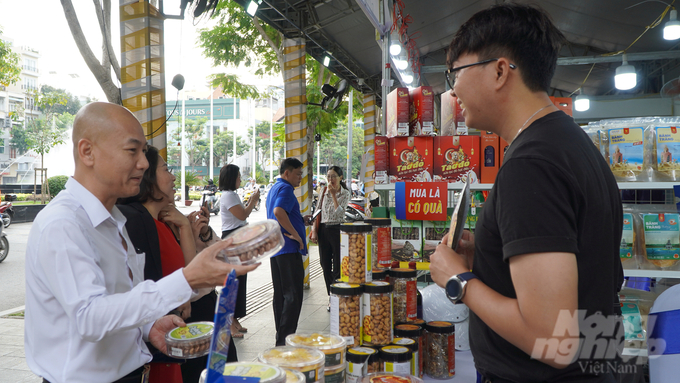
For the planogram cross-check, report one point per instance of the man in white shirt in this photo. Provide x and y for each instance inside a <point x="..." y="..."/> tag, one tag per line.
<point x="88" y="310"/>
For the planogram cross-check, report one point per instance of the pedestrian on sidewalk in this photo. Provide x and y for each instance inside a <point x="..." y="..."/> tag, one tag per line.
<point x="89" y="310"/>
<point x="287" y="270"/>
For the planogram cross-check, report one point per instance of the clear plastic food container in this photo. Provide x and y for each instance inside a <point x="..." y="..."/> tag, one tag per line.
<point x="360" y="362"/>
<point x="381" y="243"/>
<point x="377" y="314"/>
<point x="405" y="294"/>
<point x="294" y="376"/>
<point x="266" y="373"/>
<point x="309" y="361"/>
<point x="346" y="312"/>
<point x="191" y="341"/>
<point x="253" y="243"/>
<point x="414" y="332"/>
<point x="390" y="377"/>
<point x="411" y="344"/>
<point x="441" y="349"/>
<point x="333" y="346"/>
<point x="355" y="252"/>
<point x="396" y="359"/>
<point x="335" y="374"/>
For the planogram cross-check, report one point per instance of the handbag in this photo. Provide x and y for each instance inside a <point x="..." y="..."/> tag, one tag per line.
<point x="317" y="221"/>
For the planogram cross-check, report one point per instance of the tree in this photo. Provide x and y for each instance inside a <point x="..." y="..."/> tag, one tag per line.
<point x="19" y="139"/>
<point x="72" y="105"/>
<point x="9" y="63"/>
<point x="223" y="147"/>
<point x="100" y="70"/>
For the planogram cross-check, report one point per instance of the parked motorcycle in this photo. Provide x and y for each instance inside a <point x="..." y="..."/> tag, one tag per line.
<point x="355" y="210"/>
<point x="4" y="245"/>
<point x="246" y="197"/>
<point x="209" y="199"/>
<point x="7" y="213"/>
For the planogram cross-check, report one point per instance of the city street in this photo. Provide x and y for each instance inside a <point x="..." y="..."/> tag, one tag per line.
<point x="12" y="271"/>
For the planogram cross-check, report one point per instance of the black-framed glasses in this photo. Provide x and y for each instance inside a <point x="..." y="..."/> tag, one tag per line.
<point x="451" y="73"/>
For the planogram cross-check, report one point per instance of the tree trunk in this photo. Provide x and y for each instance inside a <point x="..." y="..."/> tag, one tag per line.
<point x="111" y="91"/>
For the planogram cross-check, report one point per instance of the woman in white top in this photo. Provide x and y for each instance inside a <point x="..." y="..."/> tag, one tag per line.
<point x="333" y="202"/>
<point x="234" y="215"/>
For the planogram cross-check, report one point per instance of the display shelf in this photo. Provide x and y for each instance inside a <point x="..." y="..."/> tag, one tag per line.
<point x="634" y="352"/>
<point x="651" y="273"/>
<point x="645" y="185"/>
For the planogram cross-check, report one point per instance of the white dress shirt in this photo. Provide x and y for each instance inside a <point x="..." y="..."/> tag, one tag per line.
<point x="86" y="320"/>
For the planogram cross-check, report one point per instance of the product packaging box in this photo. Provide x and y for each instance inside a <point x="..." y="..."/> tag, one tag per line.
<point x="456" y="158"/>
<point x="433" y="234"/>
<point x="452" y="121"/>
<point x="406" y="239"/>
<point x="411" y="159"/>
<point x="502" y="148"/>
<point x="564" y="104"/>
<point x="397" y="112"/>
<point x="422" y="112"/>
<point x="490" y="157"/>
<point x="382" y="159"/>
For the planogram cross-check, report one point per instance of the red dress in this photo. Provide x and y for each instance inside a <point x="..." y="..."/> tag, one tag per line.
<point x="172" y="259"/>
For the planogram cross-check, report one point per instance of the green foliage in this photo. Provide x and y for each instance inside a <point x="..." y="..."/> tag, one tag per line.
<point x="56" y="184"/>
<point x="72" y="105"/>
<point x="10" y="70"/>
<point x="190" y="179"/>
<point x="333" y="148"/>
<point x="194" y="196"/>
<point x="19" y="139"/>
<point x="42" y="137"/>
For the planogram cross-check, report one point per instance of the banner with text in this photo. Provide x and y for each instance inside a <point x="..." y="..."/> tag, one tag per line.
<point x="423" y="201"/>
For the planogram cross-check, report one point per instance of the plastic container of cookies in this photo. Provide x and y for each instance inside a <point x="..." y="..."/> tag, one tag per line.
<point x="390" y="377"/>
<point x="333" y="346"/>
<point x="335" y="374"/>
<point x="294" y="376"/>
<point x="265" y="372"/>
<point x="190" y="342"/>
<point x="309" y="361"/>
<point x="253" y="243"/>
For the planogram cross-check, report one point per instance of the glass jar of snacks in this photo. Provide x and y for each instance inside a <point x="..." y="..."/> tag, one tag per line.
<point x="381" y="242"/>
<point x="307" y="360"/>
<point x="346" y="312"/>
<point x="377" y="314"/>
<point x="441" y="349"/>
<point x="359" y="360"/>
<point x="333" y="346"/>
<point x="355" y="252"/>
<point x="404" y="294"/>
<point x="414" y="332"/>
<point x="253" y="243"/>
<point x="396" y="359"/>
<point x="412" y="345"/>
<point x="191" y="341"/>
<point x="379" y="275"/>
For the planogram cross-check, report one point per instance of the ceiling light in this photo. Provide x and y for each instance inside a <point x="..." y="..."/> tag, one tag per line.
<point x="625" y="75"/>
<point x="395" y="48"/>
<point x="581" y="103"/>
<point x="672" y="29"/>
<point x="401" y="64"/>
<point x="326" y="61"/>
<point x="252" y="7"/>
<point x="407" y="78"/>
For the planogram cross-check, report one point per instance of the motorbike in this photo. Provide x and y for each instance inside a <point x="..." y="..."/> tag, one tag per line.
<point x="4" y="245"/>
<point x="209" y="200"/>
<point x="355" y="210"/>
<point x="7" y="213"/>
<point x="246" y="197"/>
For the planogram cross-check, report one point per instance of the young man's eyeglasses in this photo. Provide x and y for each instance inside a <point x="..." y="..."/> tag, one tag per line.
<point x="451" y="73"/>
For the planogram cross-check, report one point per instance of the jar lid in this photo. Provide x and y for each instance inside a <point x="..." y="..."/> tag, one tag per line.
<point x="344" y="288"/>
<point x="360" y="354"/>
<point x="395" y="354"/>
<point x="379" y="274"/>
<point x="253" y="243"/>
<point x="403" y="273"/>
<point x="390" y="377"/>
<point x="408" y="330"/>
<point x="377" y="288"/>
<point x="335" y="369"/>
<point x="316" y="340"/>
<point x="294" y="376"/>
<point x="192" y="332"/>
<point x="406" y="342"/>
<point x="266" y="373"/>
<point x="440" y="327"/>
<point x="294" y="357"/>
<point x="379" y="221"/>
<point x="355" y="228"/>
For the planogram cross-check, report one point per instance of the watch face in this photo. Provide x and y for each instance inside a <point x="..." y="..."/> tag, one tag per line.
<point x="453" y="289"/>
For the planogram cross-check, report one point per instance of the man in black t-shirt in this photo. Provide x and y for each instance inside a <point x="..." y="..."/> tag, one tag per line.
<point x="545" y="265"/>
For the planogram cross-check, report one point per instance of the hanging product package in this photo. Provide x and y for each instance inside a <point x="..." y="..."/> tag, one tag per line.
<point x="224" y="315"/>
<point x="659" y="228"/>
<point x="629" y="247"/>
<point x="629" y="149"/>
<point x="635" y="307"/>
<point x="666" y="149"/>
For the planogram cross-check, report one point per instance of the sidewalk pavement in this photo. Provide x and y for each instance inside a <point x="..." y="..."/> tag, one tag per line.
<point x="259" y="321"/>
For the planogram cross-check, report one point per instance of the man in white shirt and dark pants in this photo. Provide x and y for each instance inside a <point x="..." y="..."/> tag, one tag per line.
<point x="88" y="310"/>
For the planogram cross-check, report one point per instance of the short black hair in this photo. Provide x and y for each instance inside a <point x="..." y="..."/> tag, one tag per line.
<point x="149" y="186"/>
<point x="524" y="34"/>
<point x="228" y="177"/>
<point x="291" y="163"/>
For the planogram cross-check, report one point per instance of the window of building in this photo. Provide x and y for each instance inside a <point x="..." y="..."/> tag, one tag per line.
<point x="2" y="145"/>
<point x="30" y="64"/>
<point x="30" y="84"/>
<point x="23" y="166"/>
<point x="9" y="180"/>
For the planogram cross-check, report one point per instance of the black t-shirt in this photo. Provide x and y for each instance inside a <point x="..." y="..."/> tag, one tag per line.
<point x="553" y="193"/>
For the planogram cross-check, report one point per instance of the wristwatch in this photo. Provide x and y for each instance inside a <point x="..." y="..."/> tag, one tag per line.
<point x="456" y="286"/>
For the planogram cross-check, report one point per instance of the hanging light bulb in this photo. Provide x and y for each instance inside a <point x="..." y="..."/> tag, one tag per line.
<point x="625" y="78"/>
<point x="401" y="64"/>
<point x="407" y="78"/>
<point x="395" y="48"/>
<point x="672" y="29"/>
<point x="581" y="102"/>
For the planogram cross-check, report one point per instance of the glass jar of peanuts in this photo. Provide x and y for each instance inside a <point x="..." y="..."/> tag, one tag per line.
<point x="346" y="310"/>
<point x="355" y="253"/>
<point x="377" y="314"/>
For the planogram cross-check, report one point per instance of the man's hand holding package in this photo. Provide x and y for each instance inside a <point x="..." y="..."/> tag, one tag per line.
<point x="206" y="270"/>
<point x="160" y="328"/>
<point x="445" y="262"/>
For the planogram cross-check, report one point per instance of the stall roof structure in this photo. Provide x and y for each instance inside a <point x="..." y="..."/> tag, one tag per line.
<point x="347" y="30"/>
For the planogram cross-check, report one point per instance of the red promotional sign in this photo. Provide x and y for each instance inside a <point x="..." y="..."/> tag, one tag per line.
<point x="421" y="201"/>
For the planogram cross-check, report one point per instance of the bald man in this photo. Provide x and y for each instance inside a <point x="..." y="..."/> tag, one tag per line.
<point x="89" y="311"/>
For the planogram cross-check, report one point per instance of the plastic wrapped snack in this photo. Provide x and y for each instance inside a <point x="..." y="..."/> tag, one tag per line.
<point x="333" y="346"/>
<point x="253" y="243"/>
<point x="666" y="149"/>
<point x="307" y="360"/>
<point x="266" y="373"/>
<point x="629" y="248"/>
<point x="191" y="341"/>
<point x="660" y="237"/>
<point x="635" y="307"/>
<point x="630" y="148"/>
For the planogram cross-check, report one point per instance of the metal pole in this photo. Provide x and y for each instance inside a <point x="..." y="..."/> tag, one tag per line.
<point x="184" y="196"/>
<point x="349" y="140"/>
<point x="318" y="160"/>
<point x="271" y="138"/>
<point x="233" y="133"/>
<point x="211" y="134"/>
<point x="386" y="69"/>
<point x="252" y="115"/>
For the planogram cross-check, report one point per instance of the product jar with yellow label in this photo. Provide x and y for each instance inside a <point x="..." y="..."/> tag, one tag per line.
<point x="405" y="294"/>
<point x="309" y="361"/>
<point x="441" y="349"/>
<point x="361" y="361"/>
<point x="414" y="332"/>
<point x="333" y="346"/>
<point x="346" y="312"/>
<point x="377" y="314"/>
<point x="396" y="359"/>
<point x="412" y="345"/>
<point x="191" y="341"/>
<point x="355" y="252"/>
